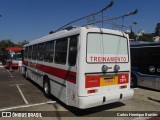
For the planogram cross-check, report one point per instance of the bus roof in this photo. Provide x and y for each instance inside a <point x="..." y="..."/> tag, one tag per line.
<point x="144" y="44"/>
<point x="74" y="31"/>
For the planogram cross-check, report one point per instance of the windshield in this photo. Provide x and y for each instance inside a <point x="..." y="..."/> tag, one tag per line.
<point x="18" y="56"/>
<point x="15" y="55"/>
<point x="106" y="48"/>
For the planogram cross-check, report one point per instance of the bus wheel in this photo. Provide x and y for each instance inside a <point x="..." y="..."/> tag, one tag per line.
<point x="133" y="81"/>
<point x="46" y="88"/>
<point x="26" y="74"/>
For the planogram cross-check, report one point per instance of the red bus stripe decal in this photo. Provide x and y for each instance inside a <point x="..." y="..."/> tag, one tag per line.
<point x="60" y="73"/>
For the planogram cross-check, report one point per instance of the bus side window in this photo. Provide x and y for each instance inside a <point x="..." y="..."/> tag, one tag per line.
<point x="49" y="51"/>
<point x="72" y="51"/>
<point x="61" y="51"/>
<point x="34" y="53"/>
<point x="41" y="51"/>
<point x="30" y="52"/>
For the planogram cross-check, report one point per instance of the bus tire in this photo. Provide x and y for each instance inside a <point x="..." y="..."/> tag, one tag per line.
<point x="26" y="74"/>
<point x="133" y="81"/>
<point x="46" y="88"/>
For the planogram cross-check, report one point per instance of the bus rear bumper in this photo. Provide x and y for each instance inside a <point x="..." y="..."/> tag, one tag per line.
<point x="102" y="99"/>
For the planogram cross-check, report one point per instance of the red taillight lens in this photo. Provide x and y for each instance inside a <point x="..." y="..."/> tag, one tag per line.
<point x="123" y="87"/>
<point x="92" y="91"/>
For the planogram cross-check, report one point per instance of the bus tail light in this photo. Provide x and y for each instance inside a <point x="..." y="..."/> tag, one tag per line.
<point x="92" y="91"/>
<point x="123" y="87"/>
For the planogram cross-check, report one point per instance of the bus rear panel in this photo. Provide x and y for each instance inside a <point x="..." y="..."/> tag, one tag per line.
<point x="104" y="68"/>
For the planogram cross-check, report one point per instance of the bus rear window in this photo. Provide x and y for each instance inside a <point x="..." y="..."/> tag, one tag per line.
<point x="106" y="48"/>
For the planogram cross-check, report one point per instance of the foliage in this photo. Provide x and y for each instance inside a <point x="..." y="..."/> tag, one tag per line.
<point x="132" y="35"/>
<point x="157" y="29"/>
<point x="8" y="43"/>
<point x="146" y="37"/>
<point x="23" y="43"/>
<point x="5" y="43"/>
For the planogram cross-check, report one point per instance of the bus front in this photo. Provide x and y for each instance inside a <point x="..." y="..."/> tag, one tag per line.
<point x="104" y="68"/>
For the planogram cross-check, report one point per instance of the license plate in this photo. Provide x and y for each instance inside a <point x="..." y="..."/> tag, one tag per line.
<point x="106" y="81"/>
<point x="109" y="80"/>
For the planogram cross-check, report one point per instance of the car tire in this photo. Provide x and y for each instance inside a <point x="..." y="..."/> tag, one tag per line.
<point x="133" y="81"/>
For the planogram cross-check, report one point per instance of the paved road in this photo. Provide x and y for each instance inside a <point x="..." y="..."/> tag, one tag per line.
<point x="18" y="94"/>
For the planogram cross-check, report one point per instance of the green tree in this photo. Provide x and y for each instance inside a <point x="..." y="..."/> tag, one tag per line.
<point x="6" y="43"/>
<point x="157" y="29"/>
<point x="146" y="37"/>
<point x="22" y="43"/>
<point x="132" y="35"/>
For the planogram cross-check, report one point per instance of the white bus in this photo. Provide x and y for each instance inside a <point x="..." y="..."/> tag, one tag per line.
<point x="83" y="67"/>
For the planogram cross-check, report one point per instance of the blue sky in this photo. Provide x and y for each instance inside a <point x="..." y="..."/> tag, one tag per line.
<point x="31" y="19"/>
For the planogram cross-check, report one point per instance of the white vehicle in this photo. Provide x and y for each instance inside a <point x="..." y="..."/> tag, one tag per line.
<point x="83" y="67"/>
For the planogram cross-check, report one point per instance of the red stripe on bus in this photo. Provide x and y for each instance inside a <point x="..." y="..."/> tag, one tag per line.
<point x="25" y="63"/>
<point x="60" y="73"/>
